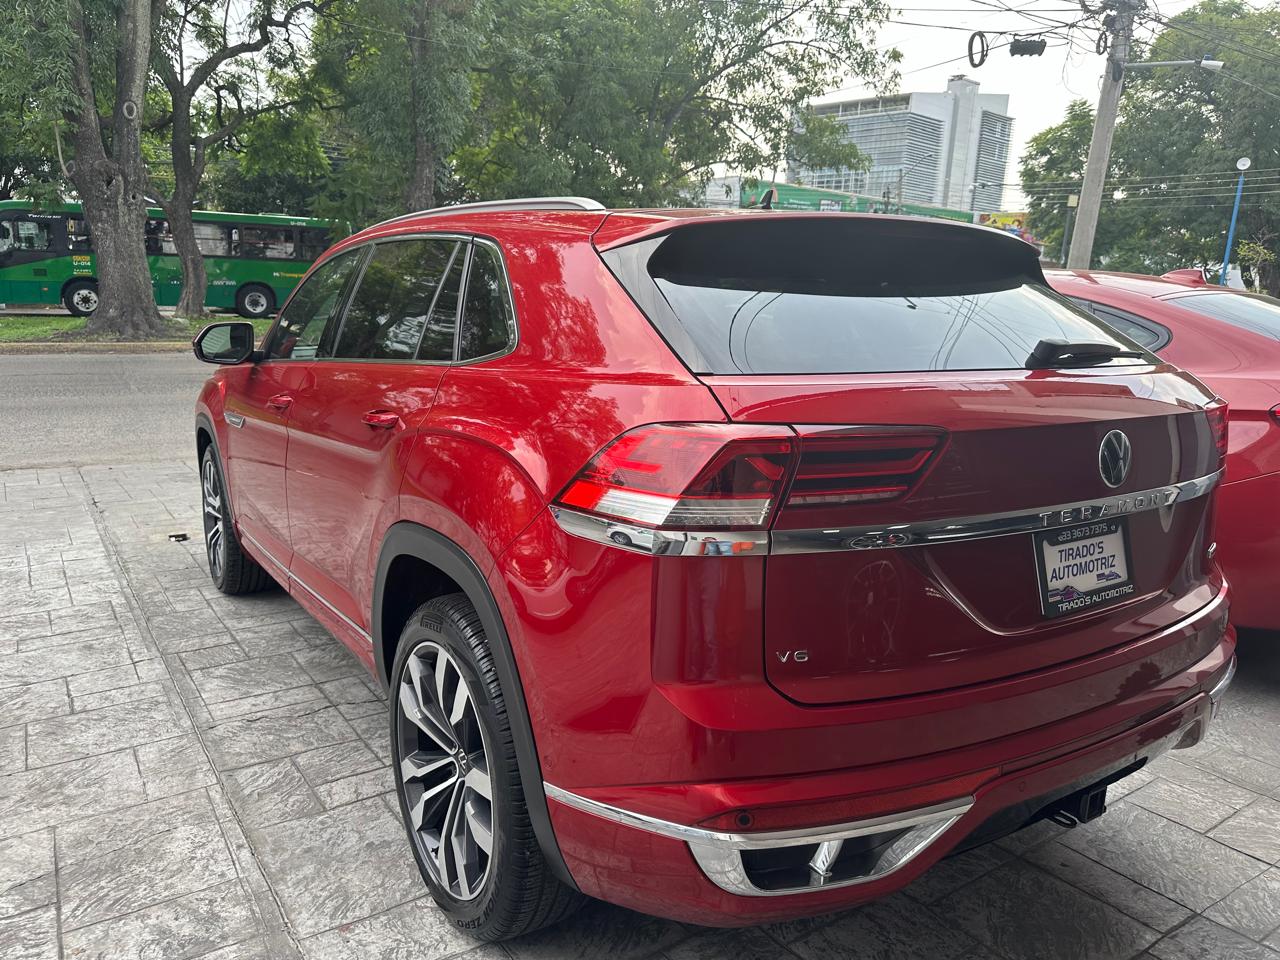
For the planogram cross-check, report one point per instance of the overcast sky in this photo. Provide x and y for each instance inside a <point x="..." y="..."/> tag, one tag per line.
<point x="1039" y="88"/>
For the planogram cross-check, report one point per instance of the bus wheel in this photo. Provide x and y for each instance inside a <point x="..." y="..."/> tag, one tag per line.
<point x="81" y="297"/>
<point x="255" y="301"/>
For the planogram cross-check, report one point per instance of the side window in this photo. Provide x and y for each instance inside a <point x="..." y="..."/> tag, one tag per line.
<point x="401" y="302"/>
<point x="211" y="238"/>
<point x="1146" y="333"/>
<point x="297" y="333"/>
<point x="313" y="241"/>
<point x="488" y="325"/>
<point x="31" y="234"/>
<point x="269" y="243"/>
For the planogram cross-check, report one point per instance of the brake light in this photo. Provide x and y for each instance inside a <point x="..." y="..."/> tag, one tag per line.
<point x="1218" y="416"/>
<point x="867" y="466"/>
<point x="721" y="476"/>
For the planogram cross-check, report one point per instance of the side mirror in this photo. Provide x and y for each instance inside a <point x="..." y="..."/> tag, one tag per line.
<point x="225" y="343"/>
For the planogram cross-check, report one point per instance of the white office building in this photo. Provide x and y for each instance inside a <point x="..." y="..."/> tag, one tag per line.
<point x="946" y="149"/>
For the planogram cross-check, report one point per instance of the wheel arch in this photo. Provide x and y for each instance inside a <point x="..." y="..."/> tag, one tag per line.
<point x="456" y="569"/>
<point x="207" y="436"/>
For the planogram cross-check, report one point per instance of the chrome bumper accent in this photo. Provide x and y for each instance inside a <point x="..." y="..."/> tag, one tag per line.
<point x="759" y="543"/>
<point x="719" y="854"/>
<point x="1220" y="688"/>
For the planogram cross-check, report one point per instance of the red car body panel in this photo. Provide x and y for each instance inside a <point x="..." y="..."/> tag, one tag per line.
<point x="653" y="683"/>
<point x="1242" y="367"/>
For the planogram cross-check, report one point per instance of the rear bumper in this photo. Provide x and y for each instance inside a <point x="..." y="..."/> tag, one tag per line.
<point x="658" y="864"/>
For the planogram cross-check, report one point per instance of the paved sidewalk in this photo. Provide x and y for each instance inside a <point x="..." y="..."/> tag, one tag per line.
<point x="184" y="775"/>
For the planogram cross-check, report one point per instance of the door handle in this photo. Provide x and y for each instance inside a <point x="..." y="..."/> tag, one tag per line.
<point x="383" y="419"/>
<point x="281" y="401"/>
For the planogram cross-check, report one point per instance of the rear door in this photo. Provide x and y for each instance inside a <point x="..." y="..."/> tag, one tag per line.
<point x="348" y="433"/>
<point x="955" y="517"/>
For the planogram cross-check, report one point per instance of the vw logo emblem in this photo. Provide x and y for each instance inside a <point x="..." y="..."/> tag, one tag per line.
<point x="1114" y="458"/>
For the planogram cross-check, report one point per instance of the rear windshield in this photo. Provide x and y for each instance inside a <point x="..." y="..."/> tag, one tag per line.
<point x="1251" y="311"/>
<point x="797" y="297"/>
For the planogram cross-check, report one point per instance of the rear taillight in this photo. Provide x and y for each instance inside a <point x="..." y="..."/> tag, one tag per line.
<point x="1217" y="415"/>
<point x="869" y="465"/>
<point x="719" y="476"/>
<point x="730" y="476"/>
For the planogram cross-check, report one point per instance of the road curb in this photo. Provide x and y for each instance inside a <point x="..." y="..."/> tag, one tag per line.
<point x="93" y="346"/>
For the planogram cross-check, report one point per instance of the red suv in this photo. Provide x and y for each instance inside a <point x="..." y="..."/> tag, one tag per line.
<point x="728" y="567"/>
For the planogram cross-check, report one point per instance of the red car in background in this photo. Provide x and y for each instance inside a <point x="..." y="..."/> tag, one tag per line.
<point x="1231" y="341"/>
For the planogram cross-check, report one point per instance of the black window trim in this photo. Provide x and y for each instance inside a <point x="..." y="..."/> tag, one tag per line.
<point x="353" y="284"/>
<point x="1164" y="336"/>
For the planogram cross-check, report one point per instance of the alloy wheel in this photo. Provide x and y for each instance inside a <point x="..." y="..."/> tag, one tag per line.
<point x="214" y="524"/>
<point x="444" y="769"/>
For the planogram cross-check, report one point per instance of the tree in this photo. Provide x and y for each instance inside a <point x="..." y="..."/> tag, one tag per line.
<point x="403" y="70"/>
<point x="1171" y="184"/>
<point x="635" y="102"/>
<point x="210" y="98"/>
<point x="85" y="64"/>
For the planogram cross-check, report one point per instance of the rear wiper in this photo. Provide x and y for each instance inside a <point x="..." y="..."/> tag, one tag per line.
<point x="1067" y="353"/>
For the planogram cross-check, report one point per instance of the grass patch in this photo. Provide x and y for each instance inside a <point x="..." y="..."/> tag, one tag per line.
<point x="62" y="327"/>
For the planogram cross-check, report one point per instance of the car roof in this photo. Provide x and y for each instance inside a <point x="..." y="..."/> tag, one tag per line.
<point x="1136" y="283"/>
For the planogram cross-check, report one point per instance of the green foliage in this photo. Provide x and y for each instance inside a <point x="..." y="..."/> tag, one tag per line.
<point x="1171" y="181"/>
<point x="635" y="102"/>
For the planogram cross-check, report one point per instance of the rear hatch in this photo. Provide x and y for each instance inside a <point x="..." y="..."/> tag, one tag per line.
<point x="898" y="352"/>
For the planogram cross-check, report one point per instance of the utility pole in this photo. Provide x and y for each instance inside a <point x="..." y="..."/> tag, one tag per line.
<point x="1104" y="128"/>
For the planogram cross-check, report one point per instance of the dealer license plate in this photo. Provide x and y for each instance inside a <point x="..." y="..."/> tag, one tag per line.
<point x="1083" y="567"/>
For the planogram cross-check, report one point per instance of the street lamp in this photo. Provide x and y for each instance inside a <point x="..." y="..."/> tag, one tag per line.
<point x="1242" y="165"/>
<point x="903" y="171"/>
<point x="1213" y="66"/>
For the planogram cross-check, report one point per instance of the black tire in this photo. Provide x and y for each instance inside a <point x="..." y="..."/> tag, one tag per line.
<point x="81" y="297"/>
<point x="255" y="301"/>
<point x="232" y="570"/>
<point x="518" y="894"/>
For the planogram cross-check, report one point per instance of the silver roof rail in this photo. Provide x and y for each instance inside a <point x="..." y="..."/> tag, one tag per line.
<point x="526" y="203"/>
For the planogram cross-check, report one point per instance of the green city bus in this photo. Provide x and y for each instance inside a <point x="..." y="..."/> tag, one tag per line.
<point x="253" y="260"/>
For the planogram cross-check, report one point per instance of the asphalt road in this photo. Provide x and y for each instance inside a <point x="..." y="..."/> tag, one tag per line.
<point x="77" y="409"/>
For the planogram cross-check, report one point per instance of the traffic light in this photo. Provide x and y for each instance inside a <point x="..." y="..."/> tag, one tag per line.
<point x="1027" y="48"/>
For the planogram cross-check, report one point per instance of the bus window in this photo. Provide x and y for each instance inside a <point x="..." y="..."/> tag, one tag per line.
<point x="211" y="238"/>
<point x="6" y="236"/>
<point x="313" y="243"/>
<point x="29" y="235"/>
<point x="271" y="243"/>
<point x="77" y="234"/>
<point x="155" y="231"/>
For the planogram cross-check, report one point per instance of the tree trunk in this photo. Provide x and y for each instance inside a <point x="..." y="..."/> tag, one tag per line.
<point x="188" y="168"/>
<point x="420" y="193"/>
<point x="111" y="185"/>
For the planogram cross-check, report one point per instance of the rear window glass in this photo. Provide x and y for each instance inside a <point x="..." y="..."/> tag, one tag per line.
<point x="849" y="296"/>
<point x="1254" y="312"/>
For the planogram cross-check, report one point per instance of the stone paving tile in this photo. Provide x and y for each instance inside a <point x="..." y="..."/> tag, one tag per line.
<point x="1252" y="909"/>
<point x="895" y="928"/>
<point x="30" y="936"/>
<point x="746" y="944"/>
<point x="599" y="930"/>
<point x="13" y="749"/>
<point x="95" y="731"/>
<point x="82" y="656"/>
<point x="173" y="766"/>
<point x="51" y="795"/>
<point x="953" y="873"/>
<point x="124" y="675"/>
<point x="26" y="872"/>
<point x="411" y="931"/>
<point x="1182" y="805"/>
<point x="337" y="762"/>
<point x="1130" y="898"/>
<point x="1167" y="857"/>
<point x="1255" y="830"/>
<point x="248" y="678"/>
<point x="1065" y="923"/>
<point x="33" y="701"/>
<point x="270" y="793"/>
<point x="192" y="925"/>
<point x="275" y="733"/>
<point x="1202" y="939"/>
<point x="340" y="866"/>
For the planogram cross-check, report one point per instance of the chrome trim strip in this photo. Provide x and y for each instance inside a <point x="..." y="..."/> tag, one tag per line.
<point x="663" y="543"/>
<point x="719" y="853"/>
<point x="709" y="543"/>
<point x="289" y="574"/>
<point x="1220" y="688"/>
